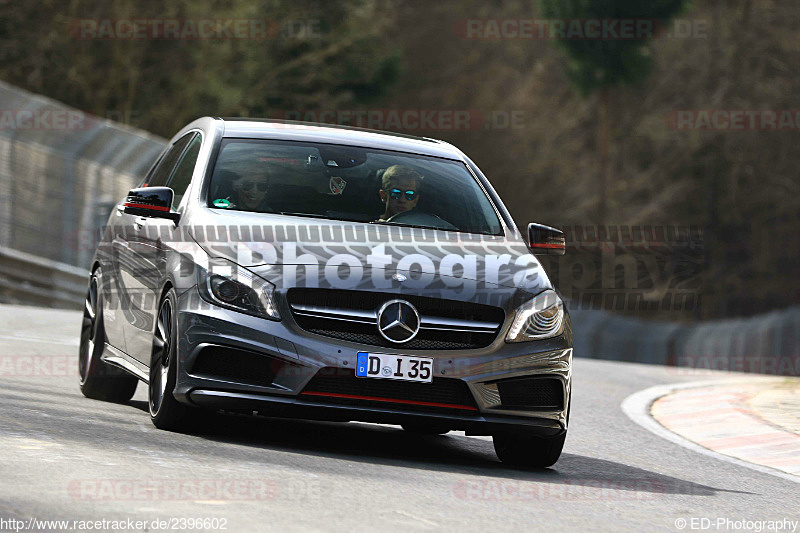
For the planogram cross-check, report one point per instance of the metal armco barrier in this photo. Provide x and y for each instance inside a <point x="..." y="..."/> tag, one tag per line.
<point x="27" y="279"/>
<point x="61" y="170"/>
<point x="765" y="344"/>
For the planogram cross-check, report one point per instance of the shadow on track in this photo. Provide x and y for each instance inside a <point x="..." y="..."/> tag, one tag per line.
<point x="451" y="453"/>
<point x="70" y="417"/>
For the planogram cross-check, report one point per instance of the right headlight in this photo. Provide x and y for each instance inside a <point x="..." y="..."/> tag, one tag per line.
<point x="229" y="285"/>
<point x="539" y="318"/>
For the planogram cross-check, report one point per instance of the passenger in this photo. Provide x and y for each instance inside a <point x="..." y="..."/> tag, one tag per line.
<point x="399" y="190"/>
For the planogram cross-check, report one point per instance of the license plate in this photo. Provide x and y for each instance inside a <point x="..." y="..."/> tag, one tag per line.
<point x="387" y="366"/>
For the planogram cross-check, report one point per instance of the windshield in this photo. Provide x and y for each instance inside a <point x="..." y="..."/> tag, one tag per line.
<point x="349" y="184"/>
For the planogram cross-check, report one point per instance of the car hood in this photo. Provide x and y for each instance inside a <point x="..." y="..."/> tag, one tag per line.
<point x="346" y="254"/>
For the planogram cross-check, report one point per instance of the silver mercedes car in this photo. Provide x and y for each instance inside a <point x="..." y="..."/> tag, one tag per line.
<point x="297" y="270"/>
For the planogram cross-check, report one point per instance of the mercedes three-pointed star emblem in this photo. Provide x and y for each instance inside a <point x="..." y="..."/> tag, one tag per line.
<point x="398" y="321"/>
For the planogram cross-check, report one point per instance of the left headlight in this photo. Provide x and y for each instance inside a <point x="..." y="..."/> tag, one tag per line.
<point x="539" y="318"/>
<point x="229" y="285"/>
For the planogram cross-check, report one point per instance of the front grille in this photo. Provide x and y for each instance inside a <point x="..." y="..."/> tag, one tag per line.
<point x="320" y="327"/>
<point x="352" y="316"/>
<point x="342" y="386"/>
<point x="531" y="393"/>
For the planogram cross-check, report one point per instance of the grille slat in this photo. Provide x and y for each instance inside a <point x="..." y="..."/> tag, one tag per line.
<point x="445" y="324"/>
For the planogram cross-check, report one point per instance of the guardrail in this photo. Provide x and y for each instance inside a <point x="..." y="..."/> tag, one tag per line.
<point x="28" y="279"/>
<point x="69" y="175"/>
<point x="762" y="344"/>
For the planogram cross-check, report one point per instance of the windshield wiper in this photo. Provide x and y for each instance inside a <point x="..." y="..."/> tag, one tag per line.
<point x="318" y="215"/>
<point x="421" y="226"/>
<point x="308" y="215"/>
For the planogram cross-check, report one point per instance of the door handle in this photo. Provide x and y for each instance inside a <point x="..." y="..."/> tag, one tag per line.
<point x="138" y="223"/>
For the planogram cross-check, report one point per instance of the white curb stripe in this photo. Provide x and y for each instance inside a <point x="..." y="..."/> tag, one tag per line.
<point x="637" y="408"/>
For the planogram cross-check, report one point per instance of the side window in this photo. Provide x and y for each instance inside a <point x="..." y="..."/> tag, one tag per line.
<point x="183" y="172"/>
<point x="150" y="172"/>
<point x="164" y="168"/>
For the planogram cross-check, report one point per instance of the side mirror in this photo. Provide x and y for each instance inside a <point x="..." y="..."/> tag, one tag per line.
<point x="153" y="202"/>
<point x="545" y="240"/>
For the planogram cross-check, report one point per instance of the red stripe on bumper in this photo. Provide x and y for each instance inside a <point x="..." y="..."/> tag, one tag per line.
<point x="389" y="400"/>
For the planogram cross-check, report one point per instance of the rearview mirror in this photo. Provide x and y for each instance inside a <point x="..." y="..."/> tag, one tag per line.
<point x="545" y="240"/>
<point x="153" y="202"/>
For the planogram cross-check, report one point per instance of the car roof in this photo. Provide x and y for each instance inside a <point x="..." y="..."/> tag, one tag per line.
<point x="254" y="128"/>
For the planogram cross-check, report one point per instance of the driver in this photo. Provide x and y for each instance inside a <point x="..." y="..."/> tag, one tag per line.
<point x="250" y="191"/>
<point x="399" y="190"/>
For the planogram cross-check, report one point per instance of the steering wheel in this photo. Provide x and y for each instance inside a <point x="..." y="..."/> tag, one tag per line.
<point x="420" y="218"/>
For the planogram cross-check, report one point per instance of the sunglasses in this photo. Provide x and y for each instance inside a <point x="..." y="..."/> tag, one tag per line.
<point x="395" y="194"/>
<point x="261" y="186"/>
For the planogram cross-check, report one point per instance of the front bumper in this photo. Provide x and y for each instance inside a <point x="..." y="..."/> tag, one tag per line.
<point x="292" y="357"/>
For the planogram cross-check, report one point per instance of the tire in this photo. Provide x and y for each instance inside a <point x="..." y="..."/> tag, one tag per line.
<point x="99" y="380"/>
<point x="528" y="451"/>
<point x="165" y="411"/>
<point x="421" y="428"/>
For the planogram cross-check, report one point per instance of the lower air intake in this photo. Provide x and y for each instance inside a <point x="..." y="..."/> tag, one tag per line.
<point x="531" y="393"/>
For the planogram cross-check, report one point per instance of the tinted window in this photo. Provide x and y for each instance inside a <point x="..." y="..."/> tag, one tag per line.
<point x="183" y="172"/>
<point x="350" y="184"/>
<point x="164" y="168"/>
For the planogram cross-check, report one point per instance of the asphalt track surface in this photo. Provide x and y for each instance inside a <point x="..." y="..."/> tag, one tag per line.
<point x="65" y="457"/>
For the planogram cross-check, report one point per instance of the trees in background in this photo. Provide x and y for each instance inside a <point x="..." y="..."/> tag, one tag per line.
<point x="316" y="55"/>
<point x="599" y="64"/>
